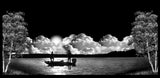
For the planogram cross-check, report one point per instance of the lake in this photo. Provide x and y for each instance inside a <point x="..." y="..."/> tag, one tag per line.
<point x="84" y="66"/>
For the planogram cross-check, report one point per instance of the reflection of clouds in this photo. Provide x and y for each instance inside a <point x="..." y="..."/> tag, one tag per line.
<point x="59" y="70"/>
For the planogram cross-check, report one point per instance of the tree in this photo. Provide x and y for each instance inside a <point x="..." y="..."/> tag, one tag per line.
<point x="145" y="37"/>
<point x="14" y="36"/>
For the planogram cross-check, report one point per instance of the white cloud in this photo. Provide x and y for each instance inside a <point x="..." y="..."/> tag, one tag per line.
<point x="127" y="38"/>
<point x="111" y="44"/>
<point x="29" y="39"/>
<point x="35" y="50"/>
<point x="66" y="41"/>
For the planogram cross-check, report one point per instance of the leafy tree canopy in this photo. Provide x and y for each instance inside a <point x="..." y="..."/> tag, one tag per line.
<point x="14" y="31"/>
<point x="145" y="32"/>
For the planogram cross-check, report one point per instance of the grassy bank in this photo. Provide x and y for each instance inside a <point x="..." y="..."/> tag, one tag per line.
<point x="143" y="72"/>
<point x="12" y="71"/>
<point x="15" y="72"/>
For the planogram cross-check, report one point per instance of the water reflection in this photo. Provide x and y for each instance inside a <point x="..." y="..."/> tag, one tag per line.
<point x="59" y="70"/>
<point x="69" y="66"/>
<point x="84" y="66"/>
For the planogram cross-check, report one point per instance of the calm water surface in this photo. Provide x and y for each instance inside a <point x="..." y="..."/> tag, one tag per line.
<point x="84" y="66"/>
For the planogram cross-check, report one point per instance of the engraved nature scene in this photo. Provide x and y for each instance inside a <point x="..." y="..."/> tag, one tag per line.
<point x="79" y="54"/>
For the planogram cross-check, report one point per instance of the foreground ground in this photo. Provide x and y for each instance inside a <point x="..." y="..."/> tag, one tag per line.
<point x="144" y="72"/>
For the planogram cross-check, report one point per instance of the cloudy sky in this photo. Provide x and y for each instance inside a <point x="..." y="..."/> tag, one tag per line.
<point x="85" y="45"/>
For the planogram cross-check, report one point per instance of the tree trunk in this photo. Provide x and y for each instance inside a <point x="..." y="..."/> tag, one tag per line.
<point x="10" y="56"/>
<point x="156" y="68"/>
<point x="149" y="59"/>
<point x="9" y="61"/>
<point x="3" y="59"/>
<point x="150" y="62"/>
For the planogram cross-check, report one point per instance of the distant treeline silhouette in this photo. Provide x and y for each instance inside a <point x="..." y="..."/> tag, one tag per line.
<point x="129" y="53"/>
